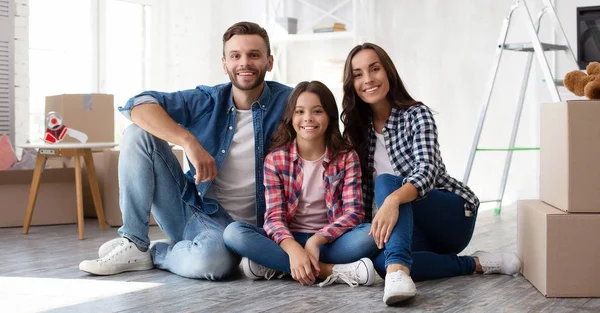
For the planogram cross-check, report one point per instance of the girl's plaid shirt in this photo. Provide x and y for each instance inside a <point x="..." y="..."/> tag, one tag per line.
<point x="283" y="183"/>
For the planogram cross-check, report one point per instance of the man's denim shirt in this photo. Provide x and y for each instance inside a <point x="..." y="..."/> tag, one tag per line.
<point x="209" y="114"/>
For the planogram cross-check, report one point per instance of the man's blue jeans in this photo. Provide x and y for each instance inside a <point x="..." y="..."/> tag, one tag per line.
<point x="151" y="179"/>
<point x="252" y="242"/>
<point x="428" y="234"/>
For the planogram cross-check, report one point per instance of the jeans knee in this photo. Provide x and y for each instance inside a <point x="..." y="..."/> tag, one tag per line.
<point x="133" y="133"/>
<point x="364" y="240"/>
<point x="214" y="262"/>
<point x="135" y="136"/>
<point x="363" y="229"/>
<point x="385" y="184"/>
<point x="386" y="180"/>
<point x="233" y="235"/>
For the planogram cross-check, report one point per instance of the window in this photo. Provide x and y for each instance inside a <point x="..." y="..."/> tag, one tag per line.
<point x="127" y="47"/>
<point x="60" y="54"/>
<point x="91" y="46"/>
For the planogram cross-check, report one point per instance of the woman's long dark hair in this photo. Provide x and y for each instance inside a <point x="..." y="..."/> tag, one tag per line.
<point x="356" y="113"/>
<point x="285" y="133"/>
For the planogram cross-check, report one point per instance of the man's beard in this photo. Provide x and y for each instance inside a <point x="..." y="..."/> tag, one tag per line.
<point x="260" y="78"/>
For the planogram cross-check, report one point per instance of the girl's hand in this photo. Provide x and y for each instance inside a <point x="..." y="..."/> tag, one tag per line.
<point x="313" y="248"/>
<point x="384" y="222"/>
<point x="300" y="266"/>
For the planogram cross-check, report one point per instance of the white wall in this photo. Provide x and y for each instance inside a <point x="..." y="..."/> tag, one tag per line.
<point x="195" y="33"/>
<point x="442" y="49"/>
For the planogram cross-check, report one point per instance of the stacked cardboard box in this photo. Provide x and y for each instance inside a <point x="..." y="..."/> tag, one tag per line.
<point x="559" y="235"/>
<point x="56" y="202"/>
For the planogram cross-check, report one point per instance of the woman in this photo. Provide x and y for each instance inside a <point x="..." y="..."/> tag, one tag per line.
<point x="424" y="217"/>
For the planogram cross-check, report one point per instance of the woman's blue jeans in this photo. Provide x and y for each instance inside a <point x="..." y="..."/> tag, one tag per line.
<point x="428" y="234"/>
<point x="252" y="242"/>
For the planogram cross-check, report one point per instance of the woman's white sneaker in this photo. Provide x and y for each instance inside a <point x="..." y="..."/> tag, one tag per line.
<point x="398" y="287"/>
<point x="507" y="263"/>
<point x="122" y="258"/>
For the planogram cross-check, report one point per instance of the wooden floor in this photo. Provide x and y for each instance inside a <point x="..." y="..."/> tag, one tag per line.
<point x="39" y="272"/>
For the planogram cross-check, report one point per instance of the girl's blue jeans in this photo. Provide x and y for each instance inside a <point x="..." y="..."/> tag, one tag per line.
<point x="252" y="242"/>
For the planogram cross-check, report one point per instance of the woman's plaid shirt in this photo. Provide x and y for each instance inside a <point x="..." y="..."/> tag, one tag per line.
<point x="412" y="146"/>
<point x="283" y="183"/>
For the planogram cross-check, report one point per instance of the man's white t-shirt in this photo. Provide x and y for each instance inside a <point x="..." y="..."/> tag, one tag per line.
<point x="235" y="187"/>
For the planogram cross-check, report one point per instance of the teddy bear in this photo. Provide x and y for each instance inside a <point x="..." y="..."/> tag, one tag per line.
<point x="582" y="84"/>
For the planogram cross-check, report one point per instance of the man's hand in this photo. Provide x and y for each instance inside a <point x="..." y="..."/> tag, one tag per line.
<point x="154" y="119"/>
<point x="384" y="222"/>
<point x="203" y="162"/>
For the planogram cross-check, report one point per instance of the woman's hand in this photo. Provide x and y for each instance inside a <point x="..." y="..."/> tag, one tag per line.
<point x="313" y="248"/>
<point x="384" y="221"/>
<point x="300" y="266"/>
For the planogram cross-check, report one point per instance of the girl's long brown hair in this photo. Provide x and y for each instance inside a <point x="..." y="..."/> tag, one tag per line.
<point x="285" y="133"/>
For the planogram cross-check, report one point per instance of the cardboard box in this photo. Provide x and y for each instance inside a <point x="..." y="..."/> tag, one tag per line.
<point x="56" y="201"/>
<point x="92" y="114"/>
<point x="570" y="155"/>
<point x="107" y="170"/>
<point x="560" y="251"/>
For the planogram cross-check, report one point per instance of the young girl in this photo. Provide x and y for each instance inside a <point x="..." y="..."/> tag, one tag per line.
<point x="424" y="216"/>
<point x="314" y="201"/>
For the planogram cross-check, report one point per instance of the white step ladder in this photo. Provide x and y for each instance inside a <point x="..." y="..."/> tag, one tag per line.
<point x="537" y="48"/>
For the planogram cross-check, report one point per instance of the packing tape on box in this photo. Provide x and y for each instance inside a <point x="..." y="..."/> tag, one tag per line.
<point x="87" y="102"/>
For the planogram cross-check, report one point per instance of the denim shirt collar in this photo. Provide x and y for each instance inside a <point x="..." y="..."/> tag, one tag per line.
<point x="263" y="100"/>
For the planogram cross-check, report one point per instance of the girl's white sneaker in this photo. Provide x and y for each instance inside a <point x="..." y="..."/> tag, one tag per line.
<point x="356" y="273"/>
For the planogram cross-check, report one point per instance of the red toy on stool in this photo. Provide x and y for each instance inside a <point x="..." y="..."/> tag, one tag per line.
<point x="56" y="130"/>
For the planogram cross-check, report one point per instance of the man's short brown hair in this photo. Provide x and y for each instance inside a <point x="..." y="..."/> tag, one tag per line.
<point x="246" y="28"/>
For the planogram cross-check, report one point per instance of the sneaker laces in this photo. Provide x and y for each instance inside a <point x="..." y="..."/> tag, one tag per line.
<point x="398" y="276"/>
<point x="342" y="277"/>
<point x="347" y="273"/>
<point x="491" y="269"/>
<point x="270" y="273"/>
<point x="114" y="252"/>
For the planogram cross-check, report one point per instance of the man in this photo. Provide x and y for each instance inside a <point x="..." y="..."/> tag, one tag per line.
<point x="225" y="131"/>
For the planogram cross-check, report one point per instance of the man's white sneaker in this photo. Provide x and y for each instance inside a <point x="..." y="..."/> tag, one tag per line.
<point x="122" y="258"/>
<point x="256" y="271"/>
<point x="108" y="247"/>
<point x="113" y="243"/>
<point x="398" y="287"/>
<point x="356" y="273"/>
<point x="507" y="263"/>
